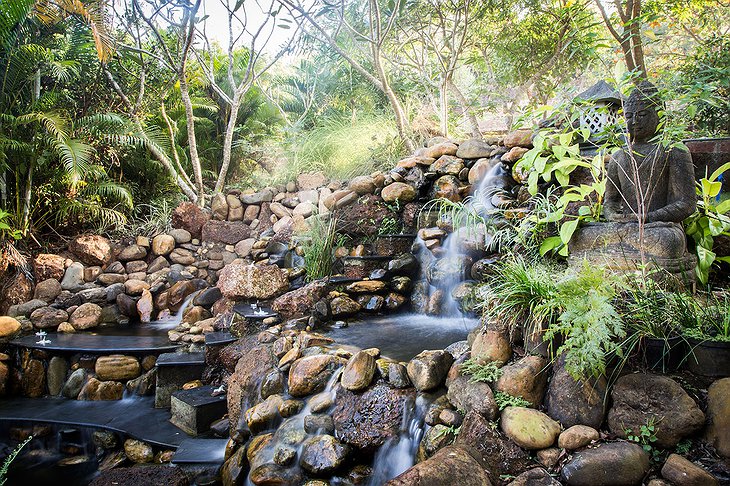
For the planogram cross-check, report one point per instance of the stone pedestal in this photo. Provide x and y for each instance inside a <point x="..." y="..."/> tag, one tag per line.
<point x="617" y="247"/>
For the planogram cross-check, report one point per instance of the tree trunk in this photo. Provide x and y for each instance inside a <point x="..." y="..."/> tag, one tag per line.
<point x="192" y="143"/>
<point x="26" y="196"/>
<point x="444" y="106"/>
<point x="228" y="139"/>
<point x="473" y="122"/>
<point x="401" y="119"/>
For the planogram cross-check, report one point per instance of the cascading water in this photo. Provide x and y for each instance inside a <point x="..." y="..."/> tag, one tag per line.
<point x="398" y="454"/>
<point x="172" y="321"/>
<point x="446" y="267"/>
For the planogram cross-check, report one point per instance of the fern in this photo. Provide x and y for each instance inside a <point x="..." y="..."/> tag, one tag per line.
<point x="504" y="400"/>
<point x="486" y="373"/>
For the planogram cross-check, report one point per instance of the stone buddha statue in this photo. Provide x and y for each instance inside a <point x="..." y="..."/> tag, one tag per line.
<point x="649" y="192"/>
<point x="665" y="176"/>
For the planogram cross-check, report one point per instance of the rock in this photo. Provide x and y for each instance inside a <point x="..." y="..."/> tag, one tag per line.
<point x="208" y="297"/>
<point x="344" y="306"/>
<point x="145" y="306"/>
<point x="270" y="474"/>
<point x="518" y="138"/>
<point x="27" y="308"/>
<point x="92" y="249"/>
<point x="366" y="287"/>
<point x="47" y="290"/>
<point x="577" y="436"/>
<point x="572" y="402"/>
<point x="549" y="457"/>
<point x="435" y="438"/>
<point x="306" y="182"/>
<point x="439" y="149"/>
<point x="529" y="428"/>
<point x="127" y="305"/>
<point x="367" y="420"/>
<point x="47" y="265"/>
<point x="514" y="154"/>
<point x="117" y="367"/>
<point x="362" y="185"/>
<point x="323" y="454"/>
<point x="299" y="302"/>
<point x="280" y="210"/>
<point x="535" y="477"/>
<point x="468" y="396"/>
<point x="525" y="378"/>
<point x="57" y="369"/>
<point x="243" y="384"/>
<point x="490" y="346"/>
<point x="718" y="416"/>
<point x="9" y="328"/>
<point x="474" y="148"/>
<point x="447" y="165"/>
<point x="73" y="278"/>
<point x="358" y="372"/>
<point x="48" y="317"/>
<point x="446" y="187"/>
<point x="226" y="232"/>
<point x="149" y="475"/>
<point x="639" y="398"/>
<point x="428" y="369"/>
<point x="85" y="316"/>
<point x="132" y="252"/>
<point x="219" y="206"/>
<point x="480" y="169"/>
<point x="450" y="465"/>
<point x="180" y="235"/>
<point x="609" y="464"/>
<point x="364" y="218"/>
<point x="499" y="456"/>
<point x="310" y="374"/>
<point x="682" y="472"/>
<point x="163" y="244"/>
<point x="158" y="264"/>
<point x="190" y="217"/>
<point x="135" y="287"/>
<point x="73" y="385"/>
<point x="264" y="414"/>
<point x="398" y="192"/>
<point x="235" y="468"/>
<point x="240" y="281"/>
<point x="138" y="451"/>
<point x="96" y="390"/>
<point x="33" y="381"/>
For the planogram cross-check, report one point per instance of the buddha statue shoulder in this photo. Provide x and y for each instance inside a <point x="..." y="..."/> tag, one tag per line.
<point x="647" y="181"/>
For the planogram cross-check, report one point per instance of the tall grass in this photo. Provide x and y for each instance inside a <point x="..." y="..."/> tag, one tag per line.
<point x="319" y="247"/>
<point x="342" y="148"/>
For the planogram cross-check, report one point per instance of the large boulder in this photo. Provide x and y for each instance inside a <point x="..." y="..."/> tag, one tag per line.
<point x="399" y="192"/>
<point x="499" y="456"/>
<point x="92" y="249"/>
<point x="190" y="217"/>
<point x="641" y="398"/>
<point x="525" y="378"/>
<point x="244" y="385"/>
<point x="47" y="265"/>
<point x="474" y="148"/>
<point x="240" y="281"/>
<point x="683" y="472"/>
<point x="572" y="402"/>
<point x="47" y="290"/>
<point x="529" y="428"/>
<point x="491" y="345"/>
<point x="117" y="367"/>
<point x="226" y="232"/>
<point x="611" y="464"/>
<point x="300" y="302"/>
<point x="469" y="396"/>
<point x="367" y="420"/>
<point x="48" y="317"/>
<point x="718" y="416"/>
<point x="359" y="371"/>
<point x="310" y="374"/>
<point x="450" y="465"/>
<point x="428" y="369"/>
<point x="85" y="316"/>
<point x="9" y="328"/>
<point x="364" y="218"/>
<point x="163" y="244"/>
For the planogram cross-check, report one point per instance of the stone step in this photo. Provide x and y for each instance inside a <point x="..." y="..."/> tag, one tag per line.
<point x="194" y="410"/>
<point x="173" y="371"/>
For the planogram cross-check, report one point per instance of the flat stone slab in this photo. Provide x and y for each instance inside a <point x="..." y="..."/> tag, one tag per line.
<point x="219" y="338"/>
<point x="98" y="344"/>
<point x="134" y="417"/>
<point x="200" y="451"/>
<point x="247" y="311"/>
<point x="181" y="359"/>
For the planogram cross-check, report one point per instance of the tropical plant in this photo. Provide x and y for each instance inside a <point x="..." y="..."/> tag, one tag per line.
<point x="709" y="221"/>
<point x="481" y="372"/>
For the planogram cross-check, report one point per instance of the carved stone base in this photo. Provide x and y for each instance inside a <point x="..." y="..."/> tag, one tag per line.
<point x="617" y="247"/>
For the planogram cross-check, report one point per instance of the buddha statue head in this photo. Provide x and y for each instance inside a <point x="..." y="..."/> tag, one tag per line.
<point x="641" y="111"/>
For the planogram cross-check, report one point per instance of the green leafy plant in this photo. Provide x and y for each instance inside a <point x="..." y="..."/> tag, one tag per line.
<point x="481" y="372"/>
<point x="709" y="221"/>
<point x="505" y="400"/>
<point x="645" y="437"/>
<point x="319" y="247"/>
<point x="449" y="431"/>
<point x="9" y="460"/>
<point x="389" y="226"/>
<point x="712" y="319"/>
